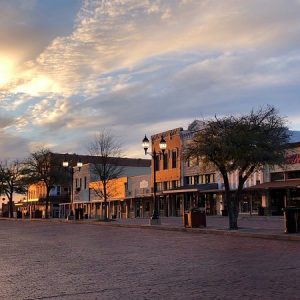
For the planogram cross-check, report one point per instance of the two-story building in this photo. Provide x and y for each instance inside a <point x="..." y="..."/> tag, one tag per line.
<point x="85" y="180"/>
<point x="281" y="188"/>
<point x="184" y="184"/>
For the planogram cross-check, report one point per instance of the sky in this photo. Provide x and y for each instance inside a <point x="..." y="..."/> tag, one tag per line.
<point x="71" y="68"/>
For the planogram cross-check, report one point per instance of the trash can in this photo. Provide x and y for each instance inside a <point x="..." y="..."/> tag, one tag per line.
<point x="186" y="218"/>
<point x="195" y="218"/>
<point x="291" y="218"/>
<point x="261" y="211"/>
<point x="76" y="214"/>
<point x="224" y="212"/>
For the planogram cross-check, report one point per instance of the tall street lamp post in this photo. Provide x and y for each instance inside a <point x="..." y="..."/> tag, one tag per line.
<point x="72" y="171"/>
<point x="154" y="220"/>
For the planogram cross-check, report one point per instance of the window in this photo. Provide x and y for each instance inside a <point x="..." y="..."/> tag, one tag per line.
<point x="147" y="206"/>
<point x="165" y="185"/>
<point x="207" y="178"/>
<point x="85" y="182"/>
<point x="212" y="178"/>
<point x="159" y="186"/>
<point x="156" y="161"/>
<point x="58" y="190"/>
<point x="277" y="176"/>
<point x="293" y="174"/>
<point x="196" y="179"/>
<point x="165" y="161"/>
<point x="186" y="180"/>
<point x="161" y="205"/>
<point x="174" y="159"/>
<point x="174" y="184"/>
<point x="123" y="207"/>
<point x="190" y="180"/>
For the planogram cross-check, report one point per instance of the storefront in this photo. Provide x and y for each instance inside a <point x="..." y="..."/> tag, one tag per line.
<point x="277" y="195"/>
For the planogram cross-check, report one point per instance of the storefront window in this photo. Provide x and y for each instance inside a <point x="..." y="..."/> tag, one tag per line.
<point x="277" y="176"/>
<point x="147" y="206"/>
<point x="293" y="175"/>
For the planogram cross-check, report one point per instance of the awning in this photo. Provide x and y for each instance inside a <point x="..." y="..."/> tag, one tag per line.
<point x="290" y="184"/>
<point x="138" y="196"/>
<point x="205" y="188"/>
<point x="31" y="200"/>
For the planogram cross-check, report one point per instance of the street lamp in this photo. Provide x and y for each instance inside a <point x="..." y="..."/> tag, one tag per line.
<point x="162" y="145"/>
<point x="65" y="164"/>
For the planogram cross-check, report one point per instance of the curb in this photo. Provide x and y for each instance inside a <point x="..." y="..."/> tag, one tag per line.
<point x="211" y="231"/>
<point x="239" y="233"/>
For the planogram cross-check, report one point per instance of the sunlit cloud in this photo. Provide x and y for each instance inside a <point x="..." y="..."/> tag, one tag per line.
<point x="149" y="64"/>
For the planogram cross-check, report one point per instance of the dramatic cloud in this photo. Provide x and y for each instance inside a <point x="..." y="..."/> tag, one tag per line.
<point x="143" y="66"/>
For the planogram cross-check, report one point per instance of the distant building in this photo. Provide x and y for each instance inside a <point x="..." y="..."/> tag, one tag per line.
<point x="34" y="204"/>
<point x="282" y="185"/>
<point x="84" y="180"/>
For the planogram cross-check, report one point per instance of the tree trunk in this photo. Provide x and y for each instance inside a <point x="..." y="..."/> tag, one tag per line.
<point x="47" y="203"/>
<point x="105" y="202"/>
<point x="234" y="210"/>
<point x="233" y="213"/>
<point x="231" y="204"/>
<point x="10" y="208"/>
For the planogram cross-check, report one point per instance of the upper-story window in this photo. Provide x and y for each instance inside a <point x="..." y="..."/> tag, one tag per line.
<point x="293" y="175"/>
<point x="188" y="162"/>
<point x="156" y="161"/>
<point x="174" y="159"/>
<point x="175" y="184"/>
<point x="165" y="161"/>
<point x="58" y="190"/>
<point x="207" y="178"/>
<point x="165" y="185"/>
<point x="277" y="176"/>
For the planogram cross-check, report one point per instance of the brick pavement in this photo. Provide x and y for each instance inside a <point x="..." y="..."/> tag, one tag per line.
<point x="43" y="260"/>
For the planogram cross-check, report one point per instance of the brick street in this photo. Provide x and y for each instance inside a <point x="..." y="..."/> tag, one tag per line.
<point x="40" y="260"/>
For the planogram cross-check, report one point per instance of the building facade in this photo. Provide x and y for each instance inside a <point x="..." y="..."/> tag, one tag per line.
<point x="281" y="188"/>
<point x="85" y="182"/>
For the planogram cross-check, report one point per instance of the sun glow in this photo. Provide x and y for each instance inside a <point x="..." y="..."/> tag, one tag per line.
<point x="37" y="85"/>
<point x="6" y="70"/>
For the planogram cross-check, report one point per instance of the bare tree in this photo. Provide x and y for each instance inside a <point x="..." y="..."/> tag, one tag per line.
<point x="11" y="181"/>
<point x="106" y="151"/>
<point x="41" y="168"/>
<point x="241" y="144"/>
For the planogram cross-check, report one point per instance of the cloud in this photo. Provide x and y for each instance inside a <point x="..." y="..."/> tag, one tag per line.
<point x="113" y="35"/>
<point x="130" y="64"/>
<point x="12" y="146"/>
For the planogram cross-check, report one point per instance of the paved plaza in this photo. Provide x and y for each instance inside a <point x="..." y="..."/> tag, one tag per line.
<point x="46" y="260"/>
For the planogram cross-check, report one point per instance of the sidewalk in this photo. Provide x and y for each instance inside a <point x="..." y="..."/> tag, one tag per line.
<point x="266" y="227"/>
